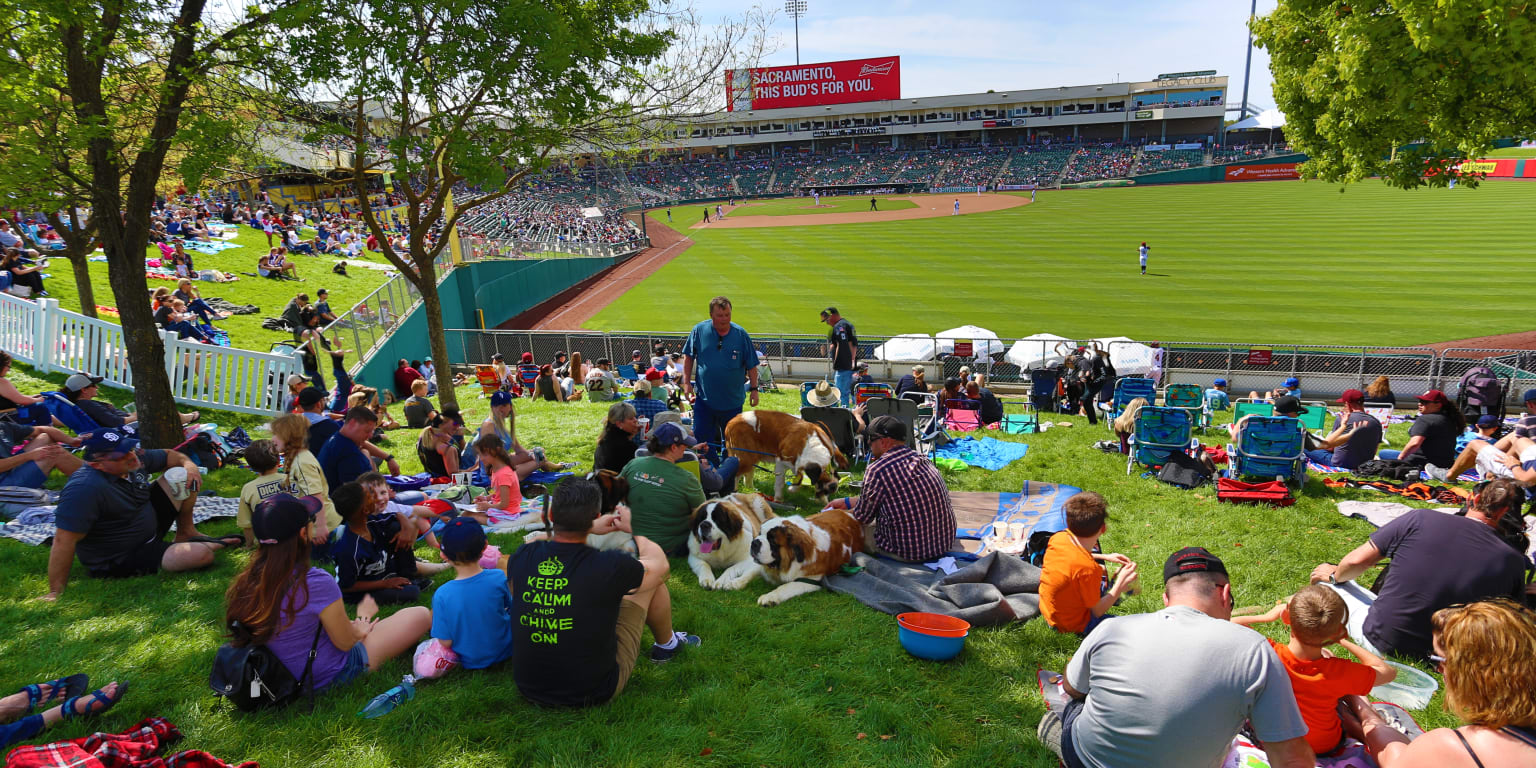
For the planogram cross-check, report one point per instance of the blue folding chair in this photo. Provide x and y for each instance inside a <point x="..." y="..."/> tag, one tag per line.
<point x="805" y="391"/>
<point x="1269" y="447"/>
<point x="1043" y="384"/>
<point x="72" y="416"/>
<point x="1126" y="390"/>
<point x="1160" y="431"/>
<point x="627" y="372"/>
<point x="1191" y="398"/>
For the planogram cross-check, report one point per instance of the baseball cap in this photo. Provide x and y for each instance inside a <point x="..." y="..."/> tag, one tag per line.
<point x="1219" y="383"/>
<point x="463" y="539"/>
<point x="78" y="382"/>
<point x="886" y="426"/>
<point x="104" y="442"/>
<point x="279" y="518"/>
<point x="1488" y="420"/>
<point x="1288" y="404"/>
<point x="634" y="353"/>
<point x="828" y="311"/>
<point x="527" y="357"/>
<point x="651" y="374"/>
<point x="295" y="380"/>
<point x="1292" y="383"/>
<point x="1351" y="396"/>
<point x="863" y="366"/>
<point x="501" y="397"/>
<point x="1530" y="395"/>
<point x="668" y="435"/>
<point x="643" y="385"/>
<point x="497" y="356"/>
<point x="1192" y="560"/>
<point x="1433" y="396"/>
<point x="311" y="397"/>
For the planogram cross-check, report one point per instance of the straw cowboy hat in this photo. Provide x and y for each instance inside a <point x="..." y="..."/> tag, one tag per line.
<point x="824" y="395"/>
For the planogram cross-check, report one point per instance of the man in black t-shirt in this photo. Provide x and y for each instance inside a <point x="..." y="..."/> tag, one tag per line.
<point x="578" y="611"/>
<point x="843" y="348"/>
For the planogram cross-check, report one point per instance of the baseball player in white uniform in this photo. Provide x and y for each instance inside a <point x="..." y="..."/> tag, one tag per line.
<point x="1144" y="250"/>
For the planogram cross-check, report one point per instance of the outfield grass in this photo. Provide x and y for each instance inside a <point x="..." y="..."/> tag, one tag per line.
<point x="269" y="295"/>
<point x="1263" y="262"/>
<point x="818" y="681"/>
<point x="1513" y="152"/>
<point x="800" y="206"/>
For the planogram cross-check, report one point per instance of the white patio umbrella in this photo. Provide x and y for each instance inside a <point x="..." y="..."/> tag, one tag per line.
<point x="908" y="347"/>
<point x="1034" y="352"/>
<point x="1129" y="359"/>
<point x="984" y="343"/>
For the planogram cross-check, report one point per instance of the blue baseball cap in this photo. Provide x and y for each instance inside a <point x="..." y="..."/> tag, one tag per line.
<point x="668" y="435"/>
<point x="1292" y="383"/>
<point x="463" y="539"/>
<point x="1530" y="395"/>
<point x="501" y="397"/>
<point x="104" y="442"/>
<point x="1488" y="420"/>
<point x="1219" y="383"/>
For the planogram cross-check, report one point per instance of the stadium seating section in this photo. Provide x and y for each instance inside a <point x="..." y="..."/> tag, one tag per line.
<point x="1170" y="160"/>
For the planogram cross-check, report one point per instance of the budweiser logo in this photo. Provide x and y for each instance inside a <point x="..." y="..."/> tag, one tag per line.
<point x="876" y="69"/>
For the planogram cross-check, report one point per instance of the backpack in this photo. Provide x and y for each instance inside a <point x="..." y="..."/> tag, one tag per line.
<point x="1479" y="386"/>
<point x="253" y="678"/>
<point x="1392" y="469"/>
<point x="1271" y="492"/>
<point x="204" y="452"/>
<point x="1183" y="471"/>
<point x="1034" y="549"/>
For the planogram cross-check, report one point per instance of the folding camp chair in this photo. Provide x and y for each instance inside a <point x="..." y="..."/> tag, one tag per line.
<point x="765" y="376"/>
<point x="627" y="372"/>
<point x="962" y="415"/>
<point x="1191" y="398"/>
<point x="863" y="392"/>
<point x="1315" y="419"/>
<point x="838" y="422"/>
<point x="1160" y="431"/>
<point x="527" y="374"/>
<point x="1383" y="414"/>
<point x="1043" y="384"/>
<point x="72" y="416"/>
<point x="1127" y="389"/>
<point x="1269" y="447"/>
<point x="1022" y="423"/>
<point x="1245" y="407"/>
<point x="902" y="409"/>
<point x="490" y="381"/>
<point x="805" y="392"/>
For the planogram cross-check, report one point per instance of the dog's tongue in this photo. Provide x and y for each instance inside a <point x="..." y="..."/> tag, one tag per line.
<point x="705" y="547"/>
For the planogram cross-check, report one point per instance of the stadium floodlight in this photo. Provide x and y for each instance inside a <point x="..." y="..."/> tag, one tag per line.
<point x="795" y="9"/>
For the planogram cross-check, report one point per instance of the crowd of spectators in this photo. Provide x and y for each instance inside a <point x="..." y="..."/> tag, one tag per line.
<point x="1100" y="162"/>
<point x="1170" y="160"/>
<point x="973" y="167"/>
<point x="529" y="219"/>
<point x="1036" y="166"/>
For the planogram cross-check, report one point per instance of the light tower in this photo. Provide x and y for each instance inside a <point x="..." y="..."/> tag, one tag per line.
<point x="795" y="9"/>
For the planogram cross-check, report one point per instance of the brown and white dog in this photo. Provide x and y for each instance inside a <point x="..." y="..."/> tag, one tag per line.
<point x="793" y="443"/>
<point x="797" y="552"/>
<point x="720" y="536"/>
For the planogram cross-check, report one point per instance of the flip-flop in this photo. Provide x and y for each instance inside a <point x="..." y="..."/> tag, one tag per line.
<point x="232" y="540"/>
<point x="74" y="685"/>
<point x="96" y="697"/>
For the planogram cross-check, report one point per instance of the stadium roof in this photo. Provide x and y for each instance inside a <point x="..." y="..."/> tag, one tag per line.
<point x="1269" y="119"/>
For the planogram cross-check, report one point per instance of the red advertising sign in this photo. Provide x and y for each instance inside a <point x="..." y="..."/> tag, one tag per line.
<point x="809" y="85"/>
<point x="964" y="348"/>
<point x="1260" y="356"/>
<point x="1262" y="172"/>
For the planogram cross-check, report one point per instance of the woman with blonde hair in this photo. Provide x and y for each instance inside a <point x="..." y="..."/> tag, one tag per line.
<point x="1380" y="391"/>
<point x="302" y="473"/>
<point x="1486" y="652"/>
<point x="1125" y="423"/>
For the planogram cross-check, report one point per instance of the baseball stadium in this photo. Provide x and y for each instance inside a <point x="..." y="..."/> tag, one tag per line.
<point x="835" y="426"/>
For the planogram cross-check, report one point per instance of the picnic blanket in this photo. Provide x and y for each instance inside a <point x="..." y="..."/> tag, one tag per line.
<point x="137" y="747"/>
<point x="210" y="247"/>
<point x="1039" y="506"/>
<point x="997" y="589"/>
<point x="36" y="527"/>
<point x="987" y="452"/>
<point x="1326" y="469"/>
<point x="222" y="305"/>
<point x="1415" y="491"/>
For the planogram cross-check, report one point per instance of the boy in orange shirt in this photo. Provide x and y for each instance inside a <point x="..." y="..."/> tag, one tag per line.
<point x="1072" y="595"/>
<point x="1318" y="616"/>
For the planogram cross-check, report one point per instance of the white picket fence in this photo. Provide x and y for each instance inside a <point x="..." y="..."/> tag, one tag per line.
<point x="49" y="338"/>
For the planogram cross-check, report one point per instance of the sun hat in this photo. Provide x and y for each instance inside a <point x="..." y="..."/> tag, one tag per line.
<point x="824" y="395"/>
<point x="1192" y="560"/>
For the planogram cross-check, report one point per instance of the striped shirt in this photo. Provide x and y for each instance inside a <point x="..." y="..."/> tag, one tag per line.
<point x="906" y="498"/>
<point x="1526" y="426"/>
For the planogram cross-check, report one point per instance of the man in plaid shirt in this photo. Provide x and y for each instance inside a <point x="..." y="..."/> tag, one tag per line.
<point x="905" y="507"/>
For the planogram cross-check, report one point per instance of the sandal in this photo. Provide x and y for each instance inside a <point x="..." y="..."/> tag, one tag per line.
<point x="74" y="685"/>
<point x="97" y="697"/>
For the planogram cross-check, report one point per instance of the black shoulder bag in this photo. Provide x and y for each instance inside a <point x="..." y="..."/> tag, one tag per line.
<point x="253" y="678"/>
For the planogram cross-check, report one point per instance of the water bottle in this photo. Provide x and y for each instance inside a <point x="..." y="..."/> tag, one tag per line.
<point x="386" y="702"/>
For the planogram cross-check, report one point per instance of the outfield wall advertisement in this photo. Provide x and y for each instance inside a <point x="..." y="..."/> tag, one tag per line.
<point x="1501" y="168"/>
<point x="810" y="85"/>
<point x="1268" y="172"/>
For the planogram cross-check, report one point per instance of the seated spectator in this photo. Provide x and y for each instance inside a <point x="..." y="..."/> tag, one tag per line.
<point x="348" y="454"/>
<point x="658" y="357"/>
<point x="418" y="409"/>
<point x="369" y="399"/>
<point x="1218" y="397"/>
<point x="81" y="390"/>
<point x="675" y="367"/>
<point x="645" y="403"/>
<point x="663" y="495"/>
<point x="29" y="455"/>
<point x="114" y="517"/>
<point x="181" y="261"/>
<point x="605" y="597"/>
<point x="175" y="317"/>
<point x="472" y="614"/>
<point x="404" y="375"/>
<point x="1073" y="597"/>
<point x="307" y="599"/>
<point x="1486" y="685"/>
<point x="24" y="275"/>
<point x="575" y="373"/>
<point x="504" y="373"/>
<point x="1354" y="438"/>
<point x="1438" y="560"/>
<point x="1432" y="438"/>
<point x="263" y="457"/>
<point x="428" y="372"/>
<point x="991" y="407"/>
<point x="303" y="476"/>
<point x="547" y="387"/>
<point x="506" y="492"/>
<point x="293" y="313"/>
<point x="503" y="424"/>
<point x="1380" y="392"/>
<point x="904" y="506"/>
<point x="1124" y="425"/>
<point x="1486" y="429"/>
<point x="10" y="396"/>
<point x="76" y="704"/>
<point x="9" y="238"/>
<point x="1512" y="457"/>
<point x="715" y="480"/>
<point x="861" y="374"/>
<point x="1291" y="388"/>
<point x="1284" y="405"/>
<point x="616" y="443"/>
<point x="189" y="295"/>
<point x="323" y="307"/>
<point x="1173" y="687"/>
<point x="438" y="446"/>
<point x="600" y="382"/>
<point x="372" y="556"/>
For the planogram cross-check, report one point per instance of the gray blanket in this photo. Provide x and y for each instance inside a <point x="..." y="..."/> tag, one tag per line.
<point x="997" y="589"/>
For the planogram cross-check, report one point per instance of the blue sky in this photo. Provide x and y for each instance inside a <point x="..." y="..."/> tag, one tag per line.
<point x="970" y="46"/>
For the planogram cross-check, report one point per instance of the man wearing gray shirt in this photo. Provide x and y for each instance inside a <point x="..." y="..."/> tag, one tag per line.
<point x="1172" y="688"/>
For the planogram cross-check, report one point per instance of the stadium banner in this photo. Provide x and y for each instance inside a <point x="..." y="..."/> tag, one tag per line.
<point x="1193" y="145"/>
<point x="1143" y="114"/>
<point x="1268" y="172"/>
<point x="809" y="85"/>
<point x="1015" y="187"/>
<point x="1502" y="168"/>
<point x="1157" y="147"/>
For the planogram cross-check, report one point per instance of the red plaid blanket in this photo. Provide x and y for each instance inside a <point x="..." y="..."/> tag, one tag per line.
<point x="134" y="748"/>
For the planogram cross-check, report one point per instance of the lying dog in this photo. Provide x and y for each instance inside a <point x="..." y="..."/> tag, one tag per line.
<point x="797" y="552"/>
<point x="720" y="534"/>
<point x="615" y="490"/>
<point x="795" y="445"/>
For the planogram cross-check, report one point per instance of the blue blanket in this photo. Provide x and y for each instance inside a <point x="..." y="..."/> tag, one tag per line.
<point x="987" y="452"/>
<point x="1039" y="506"/>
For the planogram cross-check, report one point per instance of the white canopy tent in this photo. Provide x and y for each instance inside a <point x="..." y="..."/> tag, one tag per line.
<point x="1129" y="358"/>
<point x="984" y="343"/>
<point x="1037" y="351"/>
<point x="908" y="347"/>
<point x="1267" y="120"/>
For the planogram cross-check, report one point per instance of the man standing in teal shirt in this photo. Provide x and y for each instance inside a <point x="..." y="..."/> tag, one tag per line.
<point x="719" y="368"/>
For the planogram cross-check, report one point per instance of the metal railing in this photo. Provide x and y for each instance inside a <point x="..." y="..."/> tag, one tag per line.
<point x="50" y="338"/>
<point x="1324" y="370"/>
<point x="371" y="320"/>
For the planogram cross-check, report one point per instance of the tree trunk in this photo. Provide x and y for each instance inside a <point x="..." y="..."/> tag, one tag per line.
<point x="80" y="260"/>
<point x="436" y="338"/>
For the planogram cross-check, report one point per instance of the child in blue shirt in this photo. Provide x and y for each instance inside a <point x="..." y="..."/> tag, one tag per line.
<point x="472" y="615"/>
<point x="1217" y="396"/>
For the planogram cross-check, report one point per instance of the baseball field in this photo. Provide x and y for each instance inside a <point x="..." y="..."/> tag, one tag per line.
<point x="1272" y="261"/>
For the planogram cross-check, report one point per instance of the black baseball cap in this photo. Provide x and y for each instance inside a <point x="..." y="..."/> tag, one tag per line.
<point x="1288" y="404"/>
<point x="309" y="397"/>
<point x="886" y="426"/>
<point x="829" y="311"/>
<point x="463" y="539"/>
<point x="1192" y="560"/>
<point x="281" y="517"/>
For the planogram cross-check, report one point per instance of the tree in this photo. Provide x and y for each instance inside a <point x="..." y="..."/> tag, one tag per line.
<point x="445" y="93"/>
<point x="1403" y="89"/>
<point x="131" y="81"/>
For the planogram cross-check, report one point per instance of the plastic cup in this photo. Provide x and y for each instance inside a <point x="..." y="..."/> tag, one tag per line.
<point x="1016" y="532"/>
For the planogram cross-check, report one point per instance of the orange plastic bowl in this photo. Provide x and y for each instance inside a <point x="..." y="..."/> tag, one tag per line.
<point x="934" y="624"/>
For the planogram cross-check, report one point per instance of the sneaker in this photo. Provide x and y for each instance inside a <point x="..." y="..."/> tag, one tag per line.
<point x="568" y="465"/>
<point x="662" y="655"/>
<point x="1435" y="473"/>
